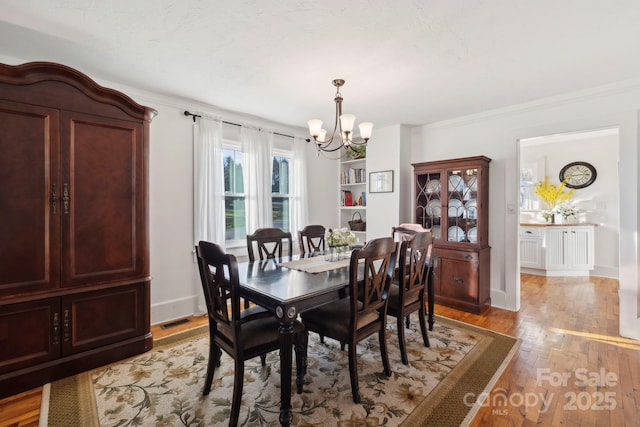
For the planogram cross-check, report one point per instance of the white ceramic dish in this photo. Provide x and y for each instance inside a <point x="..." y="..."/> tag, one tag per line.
<point x="456" y="234"/>
<point x="473" y="235"/>
<point x="434" y="209"/>
<point x="472" y="182"/>
<point x="471" y="209"/>
<point x="456" y="183"/>
<point x="433" y="186"/>
<point x="456" y="208"/>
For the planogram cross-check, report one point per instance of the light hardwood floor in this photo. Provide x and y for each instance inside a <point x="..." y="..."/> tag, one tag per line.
<point x="568" y="328"/>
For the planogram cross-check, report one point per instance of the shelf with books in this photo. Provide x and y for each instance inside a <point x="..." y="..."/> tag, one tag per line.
<point x="353" y="192"/>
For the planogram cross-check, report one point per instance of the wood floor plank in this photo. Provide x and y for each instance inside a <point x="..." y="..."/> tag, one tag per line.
<point x="565" y="324"/>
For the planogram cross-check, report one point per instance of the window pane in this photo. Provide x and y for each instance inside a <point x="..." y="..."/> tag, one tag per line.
<point x="232" y="161"/>
<point x="280" y="175"/>
<point x="235" y="223"/>
<point x="281" y="212"/>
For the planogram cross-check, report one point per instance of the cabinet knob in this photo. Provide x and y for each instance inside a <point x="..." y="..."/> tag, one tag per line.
<point x="458" y="280"/>
<point x="528" y="232"/>
<point x="469" y="257"/>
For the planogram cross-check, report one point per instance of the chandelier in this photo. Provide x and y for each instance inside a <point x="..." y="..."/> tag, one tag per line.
<point x="342" y="135"/>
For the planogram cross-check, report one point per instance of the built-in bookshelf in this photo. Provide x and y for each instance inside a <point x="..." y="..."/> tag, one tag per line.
<point x="353" y="194"/>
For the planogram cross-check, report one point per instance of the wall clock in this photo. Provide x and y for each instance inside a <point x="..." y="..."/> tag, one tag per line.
<point x="579" y="174"/>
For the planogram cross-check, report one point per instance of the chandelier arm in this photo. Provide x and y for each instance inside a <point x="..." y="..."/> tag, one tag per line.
<point x="337" y="126"/>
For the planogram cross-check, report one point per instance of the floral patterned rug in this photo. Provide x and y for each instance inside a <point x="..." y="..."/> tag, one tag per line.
<point x="163" y="387"/>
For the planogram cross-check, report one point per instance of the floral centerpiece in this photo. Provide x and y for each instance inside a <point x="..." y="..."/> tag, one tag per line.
<point x="552" y="196"/>
<point x="338" y="241"/>
<point x="568" y="213"/>
<point x="340" y="237"/>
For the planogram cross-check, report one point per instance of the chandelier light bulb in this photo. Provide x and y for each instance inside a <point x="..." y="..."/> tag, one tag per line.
<point x="315" y="127"/>
<point x="323" y="135"/>
<point x="366" y="129"/>
<point x="347" y="121"/>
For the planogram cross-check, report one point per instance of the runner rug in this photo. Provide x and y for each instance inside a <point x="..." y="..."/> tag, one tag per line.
<point x="163" y="387"/>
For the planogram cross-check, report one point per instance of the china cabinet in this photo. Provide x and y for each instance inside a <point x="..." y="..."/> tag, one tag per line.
<point x="74" y="259"/>
<point x="353" y="194"/>
<point x="452" y="198"/>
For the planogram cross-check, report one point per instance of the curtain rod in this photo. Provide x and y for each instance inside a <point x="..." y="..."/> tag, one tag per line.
<point x="193" y="115"/>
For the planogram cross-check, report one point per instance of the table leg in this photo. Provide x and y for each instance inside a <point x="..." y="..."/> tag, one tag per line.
<point x="430" y="299"/>
<point x="286" y="342"/>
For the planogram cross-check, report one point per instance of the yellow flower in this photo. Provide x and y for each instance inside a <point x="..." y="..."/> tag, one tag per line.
<point x="552" y="195"/>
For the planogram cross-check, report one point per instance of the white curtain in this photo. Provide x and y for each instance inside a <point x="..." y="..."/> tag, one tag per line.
<point x="257" y="147"/>
<point x="299" y="202"/>
<point x="209" y="218"/>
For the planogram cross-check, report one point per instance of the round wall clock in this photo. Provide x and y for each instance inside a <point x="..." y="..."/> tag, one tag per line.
<point x="578" y="174"/>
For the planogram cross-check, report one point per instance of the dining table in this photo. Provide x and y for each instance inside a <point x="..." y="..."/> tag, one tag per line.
<point x="287" y="292"/>
<point x="289" y="286"/>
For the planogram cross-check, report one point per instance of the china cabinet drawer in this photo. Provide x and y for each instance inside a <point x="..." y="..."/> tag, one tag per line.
<point x="457" y="255"/>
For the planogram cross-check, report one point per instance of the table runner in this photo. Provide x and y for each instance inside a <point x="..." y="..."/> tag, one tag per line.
<point x="316" y="264"/>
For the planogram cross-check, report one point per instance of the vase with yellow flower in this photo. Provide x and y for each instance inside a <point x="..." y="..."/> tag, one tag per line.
<point x="552" y="196"/>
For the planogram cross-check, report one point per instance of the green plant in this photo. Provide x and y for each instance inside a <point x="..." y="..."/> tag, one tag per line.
<point x="357" y="151"/>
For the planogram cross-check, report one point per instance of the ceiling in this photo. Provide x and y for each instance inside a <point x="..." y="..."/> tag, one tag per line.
<point x="404" y="61"/>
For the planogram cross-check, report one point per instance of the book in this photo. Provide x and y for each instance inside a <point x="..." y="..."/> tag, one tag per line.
<point x="348" y="198"/>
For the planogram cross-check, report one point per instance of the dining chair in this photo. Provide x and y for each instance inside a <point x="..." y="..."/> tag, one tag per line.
<point x="243" y="334"/>
<point x="269" y="242"/>
<point x="408" y="291"/>
<point x="364" y="311"/>
<point x="313" y="237"/>
<point x="406" y="231"/>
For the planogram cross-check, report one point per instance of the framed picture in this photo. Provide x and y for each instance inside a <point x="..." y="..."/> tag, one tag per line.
<point x="381" y="182"/>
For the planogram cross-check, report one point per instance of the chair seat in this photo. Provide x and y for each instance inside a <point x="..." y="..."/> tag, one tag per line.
<point x="394" y="298"/>
<point x="263" y="332"/>
<point x="340" y="313"/>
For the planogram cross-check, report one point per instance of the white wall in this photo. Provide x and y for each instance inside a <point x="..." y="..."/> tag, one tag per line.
<point x="390" y="149"/>
<point x="599" y="202"/>
<point x="495" y="134"/>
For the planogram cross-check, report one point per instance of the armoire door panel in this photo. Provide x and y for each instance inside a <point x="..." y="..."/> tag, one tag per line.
<point x="99" y="318"/>
<point x="103" y="232"/>
<point x="29" y="334"/>
<point x="29" y="226"/>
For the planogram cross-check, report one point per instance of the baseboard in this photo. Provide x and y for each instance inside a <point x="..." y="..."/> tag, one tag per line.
<point x="167" y="311"/>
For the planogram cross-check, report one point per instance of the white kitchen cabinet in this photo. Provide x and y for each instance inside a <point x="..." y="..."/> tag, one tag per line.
<point x="557" y="250"/>
<point x="531" y="247"/>
<point x="569" y="250"/>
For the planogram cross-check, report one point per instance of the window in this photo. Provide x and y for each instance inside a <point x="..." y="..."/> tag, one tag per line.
<point x="234" y="197"/>
<point x="280" y="198"/>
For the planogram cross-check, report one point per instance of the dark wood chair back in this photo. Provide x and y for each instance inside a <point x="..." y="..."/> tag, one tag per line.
<point x="408" y="293"/>
<point x="352" y="319"/>
<point x="269" y="243"/>
<point x="311" y="239"/>
<point x="243" y="334"/>
<point x="369" y="290"/>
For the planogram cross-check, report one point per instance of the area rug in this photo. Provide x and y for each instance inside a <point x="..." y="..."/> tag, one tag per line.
<point x="163" y="387"/>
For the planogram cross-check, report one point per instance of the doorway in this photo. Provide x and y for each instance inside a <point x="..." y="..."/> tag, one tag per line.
<point x="597" y="203"/>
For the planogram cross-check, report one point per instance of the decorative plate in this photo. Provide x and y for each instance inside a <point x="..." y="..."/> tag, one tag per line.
<point x="455" y="208"/>
<point x="456" y="183"/>
<point x="472" y="182"/>
<point x="456" y="234"/>
<point x="433" y="186"/>
<point x="473" y="235"/>
<point x="470" y="209"/>
<point x="434" y="209"/>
